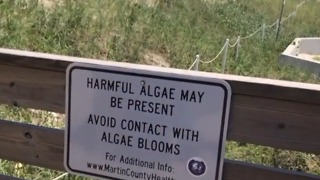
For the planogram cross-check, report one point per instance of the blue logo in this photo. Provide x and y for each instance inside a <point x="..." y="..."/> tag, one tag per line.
<point x="197" y="166"/>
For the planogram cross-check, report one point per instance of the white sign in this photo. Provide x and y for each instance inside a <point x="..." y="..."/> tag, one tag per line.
<point x="133" y="123"/>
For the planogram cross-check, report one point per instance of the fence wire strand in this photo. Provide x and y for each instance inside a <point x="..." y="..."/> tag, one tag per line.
<point x="233" y="45"/>
<point x="293" y="13"/>
<point x="61" y="176"/>
<point x="194" y="62"/>
<point x="206" y="62"/>
<point x="252" y="34"/>
<point x="271" y="25"/>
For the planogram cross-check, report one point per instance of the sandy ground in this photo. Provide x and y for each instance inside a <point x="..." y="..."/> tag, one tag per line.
<point x="48" y="3"/>
<point x="149" y="58"/>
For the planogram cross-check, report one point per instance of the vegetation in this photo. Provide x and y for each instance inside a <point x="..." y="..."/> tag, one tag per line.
<point x="154" y="32"/>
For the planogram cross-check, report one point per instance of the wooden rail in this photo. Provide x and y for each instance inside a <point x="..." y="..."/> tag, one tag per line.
<point x="267" y="112"/>
<point x="44" y="147"/>
<point x="4" y="177"/>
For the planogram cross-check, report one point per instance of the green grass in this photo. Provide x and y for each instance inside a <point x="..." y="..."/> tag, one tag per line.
<point x="175" y="31"/>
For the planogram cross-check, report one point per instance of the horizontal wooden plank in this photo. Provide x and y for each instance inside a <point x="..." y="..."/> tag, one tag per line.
<point x="4" y="177"/>
<point x="274" y="123"/>
<point x="44" y="147"/>
<point x="32" y="88"/>
<point x="252" y="86"/>
<point x="235" y="170"/>
<point x="290" y="124"/>
<point x="31" y="144"/>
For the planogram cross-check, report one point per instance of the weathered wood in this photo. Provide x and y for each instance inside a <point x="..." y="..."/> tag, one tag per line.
<point x="275" y="123"/>
<point x="32" y="88"/>
<point x="31" y="144"/>
<point x="44" y="147"/>
<point x="286" y="124"/>
<point x="235" y="170"/>
<point x="252" y="86"/>
<point x="263" y="111"/>
<point x="4" y="177"/>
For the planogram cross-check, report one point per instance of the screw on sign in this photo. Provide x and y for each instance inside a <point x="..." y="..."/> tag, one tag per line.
<point x="135" y="122"/>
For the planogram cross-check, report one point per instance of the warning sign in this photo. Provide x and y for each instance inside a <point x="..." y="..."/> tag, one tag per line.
<point x="133" y="123"/>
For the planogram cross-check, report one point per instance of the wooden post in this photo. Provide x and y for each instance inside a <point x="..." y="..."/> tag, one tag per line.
<point x="196" y="67"/>
<point x="225" y="55"/>
<point x="263" y="31"/>
<point x="238" y="48"/>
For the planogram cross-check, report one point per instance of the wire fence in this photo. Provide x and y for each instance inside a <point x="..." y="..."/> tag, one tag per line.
<point x="224" y="49"/>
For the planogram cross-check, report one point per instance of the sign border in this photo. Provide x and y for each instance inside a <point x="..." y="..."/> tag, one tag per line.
<point x="92" y="67"/>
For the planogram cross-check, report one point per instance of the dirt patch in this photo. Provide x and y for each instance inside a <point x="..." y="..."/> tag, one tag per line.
<point x="150" y="3"/>
<point x="155" y="59"/>
<point x="148" y="58"/>
<point x="49" y="3"/>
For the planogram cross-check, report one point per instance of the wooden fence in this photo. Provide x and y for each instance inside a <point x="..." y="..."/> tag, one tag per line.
<point x="272" y="113"/>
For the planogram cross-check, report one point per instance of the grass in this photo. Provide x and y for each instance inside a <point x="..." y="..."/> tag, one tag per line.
<point x="317" y="58"/>
<point x="169" y="31"/>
